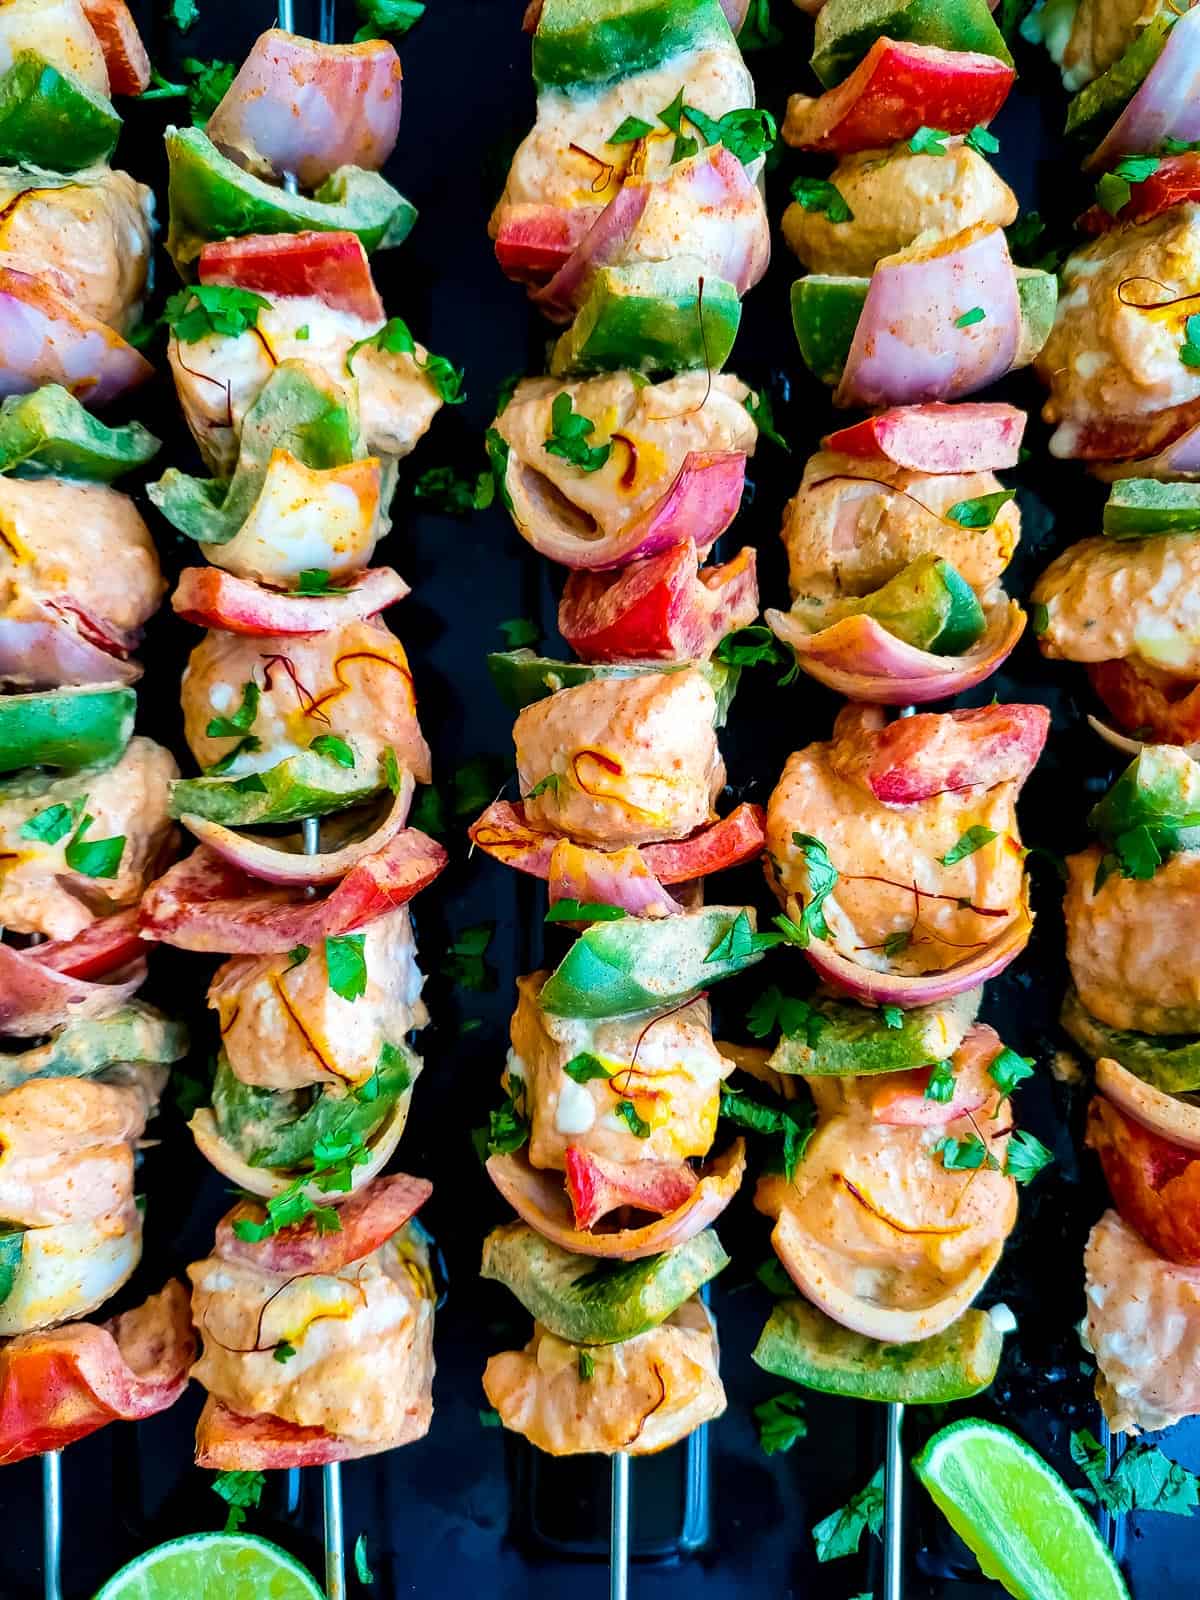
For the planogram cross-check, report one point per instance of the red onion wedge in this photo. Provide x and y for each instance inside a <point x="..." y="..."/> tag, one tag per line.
<point x="806" y="1265"/>
<point x="309" y="108"/>
<point x="540" y="1199"/>
<point x="1165" y="1114"/>
<point x="203" y="903"/>
<point x="892" y="988"/>
<point x="368" y="1219"/>
<point x="859" y="658"/>
<point x="45" y="651"/>
<point x="46" y="339"/>
<point x="36" y="997"/>
<point x="1165" y="106"/>
<point x="282" y="859"/>
<point x="602" y="245"/>
<point x="1126" y="744"/>
<point x="973" y="436"/>
<point x="60" y="1384"/>
<point x="920" y="337"/>
<point x="611" y="878"/>
<point x="699" y="505"/>
<point x="212" y="598"/>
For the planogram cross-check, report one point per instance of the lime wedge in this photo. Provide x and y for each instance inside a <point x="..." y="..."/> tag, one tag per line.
<point x="1016" y="1515"/>
<point x="213" y="1566"/>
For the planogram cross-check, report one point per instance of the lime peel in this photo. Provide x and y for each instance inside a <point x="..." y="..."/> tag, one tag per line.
<point x="1016" y="1515"/>
<point x="236" y="1566"/>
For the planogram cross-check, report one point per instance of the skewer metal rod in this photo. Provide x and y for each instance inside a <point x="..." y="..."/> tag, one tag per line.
<point x="52" y="1525"/>
<point x="893" y="1509"/>
<point x="618" y="1538"/>
<point x="335" y="1544"/>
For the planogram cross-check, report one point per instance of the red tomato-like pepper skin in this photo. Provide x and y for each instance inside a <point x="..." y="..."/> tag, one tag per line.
<point x="332" y="267"/>
<point x="1155" y="1183"/>
<point x="897" y="88"/>
<point x="661" y="609"/>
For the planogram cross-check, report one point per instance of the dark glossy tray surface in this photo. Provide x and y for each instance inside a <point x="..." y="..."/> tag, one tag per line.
<point x="467" y="1511"/>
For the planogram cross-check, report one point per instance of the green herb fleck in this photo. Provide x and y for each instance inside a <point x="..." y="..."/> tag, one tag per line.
<point x="568" y="437"/>
<point x="781" y="1422"/>
<point x="346" y="965"/>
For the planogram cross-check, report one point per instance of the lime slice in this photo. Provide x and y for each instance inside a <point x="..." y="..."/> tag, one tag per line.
<point x="213" y="1566"/>
<point x="1016" y="1515"/>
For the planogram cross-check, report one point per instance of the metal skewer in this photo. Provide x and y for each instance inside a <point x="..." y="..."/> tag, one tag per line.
<point x="618" y="1538"/>
<point x="331" y="1473"/>
<point x="893" y="1471"/>
<point x="52" y="1525"/>
<point x="893" y="1507"/>
<point x="335" y="1548"/>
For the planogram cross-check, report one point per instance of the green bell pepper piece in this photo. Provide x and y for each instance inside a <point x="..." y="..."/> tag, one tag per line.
<point x="1160" y="791"/>
<point x="521" y="677"/>
<point x="1140" y="507"/>
<point x="580" y="42"/>
<point x="1097" y="106"/>
<point x="928" y="605"/>
<point x="211" y="197"/>
<point x="49" y="434"/>
<point x="1166" y="1061"/>
<point x="86" y="1046"/>
<point x="650" y="318"/>
<point x="304" y="785"/>
<point x="280" y="1128"/>
<point x="803" y="1345"/>
<point x="846" y="30"/>
<point x="12" y="1248"/>
<point x="826" y="309"/>
<point x="588" y="1302"/>
<point x="843" y="1038"/>
<point x="299" y="409"/>
<point x="51" y="118"/>
<point x="617" y="968"/>
<point x="67" y="728"/>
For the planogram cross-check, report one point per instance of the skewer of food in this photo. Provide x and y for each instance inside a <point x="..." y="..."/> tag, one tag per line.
<point x="84" y="822"/>
<point x="634" y="214"/>
<point x="315" y="1307"/>
<point x="911" y="294"/>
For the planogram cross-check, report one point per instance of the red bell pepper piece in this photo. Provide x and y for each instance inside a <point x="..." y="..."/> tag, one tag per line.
<point x="663" y="608"/>
<point x="597" y="1186"/>
<point x="917" y="758"/>
<point x="332" y="267"/>
<point x="121" y="43"/>
<point x="1175" y="181"/>
<point x="62" y="1383"/>
<point x="366" y="1220"/>
<point x="106" y="945"/>
<point x="533" y="242"/>
<point x="895" y="89"/>
<point x="973" y="436"/>
<point x="502" y="832"/>
<point x="204" y="903"/>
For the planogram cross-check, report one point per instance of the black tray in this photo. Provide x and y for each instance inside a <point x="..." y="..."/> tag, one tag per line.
<point x="468" y="1510"/>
